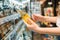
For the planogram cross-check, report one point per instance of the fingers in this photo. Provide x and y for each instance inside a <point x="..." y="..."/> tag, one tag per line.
<point x="30" y="20"/>
<point x="33" y="18"/>
<point x="36" y="17"/>
<point x="26" y="23"/>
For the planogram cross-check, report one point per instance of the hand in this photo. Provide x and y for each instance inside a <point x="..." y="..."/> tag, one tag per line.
<point x="38" y="17"/>
<point x="32" y="26"/>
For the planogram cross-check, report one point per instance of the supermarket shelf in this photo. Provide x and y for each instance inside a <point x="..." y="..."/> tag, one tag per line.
<point x="25" y="1"/>
<point x="9" y="18"/>
<point x="21" y="31"/>
<point x="17" y="26"/>
<point x="22" y="4"/>
<point x="15" y="2"/>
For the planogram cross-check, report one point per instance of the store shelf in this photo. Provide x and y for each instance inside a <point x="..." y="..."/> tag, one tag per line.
<point x="25" y="1"/>
<point x="12" y="22"/>
<point x="9" y="18"/>
<point x="21" y="31"/>
<point x="15" y="2"/>
<point x="16" y="28"/>
<point x="22" y="4"/>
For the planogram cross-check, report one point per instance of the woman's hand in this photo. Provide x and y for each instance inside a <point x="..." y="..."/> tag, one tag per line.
<point x="38" y="17"/>
<point x="33" y="26"/>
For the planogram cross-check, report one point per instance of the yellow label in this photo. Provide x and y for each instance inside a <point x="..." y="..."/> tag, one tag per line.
<point x="25" y="18"/>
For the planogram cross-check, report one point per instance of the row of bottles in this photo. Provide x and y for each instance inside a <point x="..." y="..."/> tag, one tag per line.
<point x="14" y="29"/>
<point x="4" y="29"/>
<point x="7" y="27"/>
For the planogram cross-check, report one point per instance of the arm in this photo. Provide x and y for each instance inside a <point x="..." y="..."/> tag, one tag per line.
<point x="50" y="19"/>
<point x="38" y="17"/>
<point x="33" y="26"/>
<point x="55" y="31"/>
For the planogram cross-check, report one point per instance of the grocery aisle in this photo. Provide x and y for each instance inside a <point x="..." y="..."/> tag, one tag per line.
<point x="13" y="13"/>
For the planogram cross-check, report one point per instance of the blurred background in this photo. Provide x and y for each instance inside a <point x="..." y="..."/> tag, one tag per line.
<point x="13" y="28"/>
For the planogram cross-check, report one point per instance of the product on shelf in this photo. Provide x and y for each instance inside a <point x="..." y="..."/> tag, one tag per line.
<point x="10" y="21"/>
<point x="4" y="29"/>
<point x="1" y="14"/>
<point x="17" y="20"/>
<point x="24" y="16"/>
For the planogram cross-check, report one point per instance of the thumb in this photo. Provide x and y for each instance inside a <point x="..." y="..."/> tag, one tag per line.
<point x="36" y="15"/>
<point x="30" y="21"/>
<point x="26" y="23"/>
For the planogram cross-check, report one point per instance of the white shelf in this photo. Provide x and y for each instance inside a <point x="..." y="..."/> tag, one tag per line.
<point x="14" y="17"/>
<point x="21" y="31"/>
<point x="17" y="26"/>
<point x="22" y="4"/>
<point x="9" y="18"/>
<point x="25" y="1"/>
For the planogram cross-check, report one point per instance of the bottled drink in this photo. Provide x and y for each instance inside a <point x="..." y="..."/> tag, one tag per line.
<point x="24" y="16"/>
<point x="48" y="10"/>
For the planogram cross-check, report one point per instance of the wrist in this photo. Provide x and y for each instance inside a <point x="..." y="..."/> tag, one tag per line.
<point x="36" y="29"/>
<point x="46" y="18"/>
<point x="42" y="18"/>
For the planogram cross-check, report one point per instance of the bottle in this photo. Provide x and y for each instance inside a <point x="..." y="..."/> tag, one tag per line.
<point x="2" y="30"/>
<point x="1" y="13"/>
<point x="48" y="11"/>
<point x="24" y="16"/>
